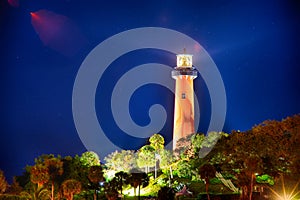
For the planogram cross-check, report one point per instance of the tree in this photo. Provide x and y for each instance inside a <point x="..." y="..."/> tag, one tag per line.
<point x="197" y="144"/>
<point x="90" y="158"/>
<point x="138" y="179"/>
<point x="124" y="160"/>
<point x="183" y="147"/>
<point x="74" y="169"/>
<point x="166" y="161"/>
<point x="15" y="187"/>
<point x="146" y="157"/>
<point x="111" y="189"/>
<point x="207" y="172"/>
<point x="55" y="169"/>
<point x="121" y="178"/>
<point x="70" y="188"/>
<point x="209" y="142"/>
<point x="39" y="175"/>
<point x="268" y="148"/>
<point x="3" y="183"/>
<point x="95" y="176"/>
<point x="183" y="169"/>
<point x="157" y="141"/>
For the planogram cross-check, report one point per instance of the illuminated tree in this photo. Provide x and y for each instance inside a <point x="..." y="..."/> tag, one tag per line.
<point x="183" y="147"/>
<point x="70" y="188"/>
<point x="90" y="158"/>
<point x="121" y="178"/>
<point x="166" y="161"/>
<point x="268" y="148"/>
<point x="157" y="141"/>
<point x="3" y="183"/>
<point x="39" y="175"/>
<point x="74" y="169"/>
<point x="124" y="160"/>
<point x="183" y="169"/>
<point x="146" y="157"/>
<point x="55" y="169"/>
<point x="197" y="144"/>
<point x="138" y="179"/>
<point x="166" y="158"/>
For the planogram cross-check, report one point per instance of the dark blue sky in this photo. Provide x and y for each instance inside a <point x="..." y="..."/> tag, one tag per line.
<point x="255" y="45"/>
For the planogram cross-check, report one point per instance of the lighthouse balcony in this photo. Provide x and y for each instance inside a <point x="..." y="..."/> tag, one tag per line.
<point x="186" y="72"/>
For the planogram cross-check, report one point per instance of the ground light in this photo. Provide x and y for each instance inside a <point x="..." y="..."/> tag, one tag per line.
<point x="286" y="194"/>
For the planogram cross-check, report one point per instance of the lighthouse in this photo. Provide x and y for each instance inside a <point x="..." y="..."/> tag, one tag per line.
<point x="184" y="74"/>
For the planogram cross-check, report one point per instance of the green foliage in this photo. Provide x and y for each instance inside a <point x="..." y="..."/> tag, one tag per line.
<point x="90" y="158"/>
<point x="215" y="181"/>
<point x="183" y="147"/>
<point x="74" y="169"/>
<point x="146" y="157"/>
<point x="197" y="141"/>
<point x="265" y="179"/>
<point x="162" y="180"/>
<point x="183" y="169"/>
<point x="211" y="139"/>
<point x="271" y="148"/>
<point x="166" y="158"/>
<point x="124" y="160"/>
<point x="157" y="141"/>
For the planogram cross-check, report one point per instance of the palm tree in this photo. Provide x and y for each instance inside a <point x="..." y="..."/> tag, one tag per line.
<point x="121" y="179"/>
<point x="71" y="187"/>
<point x="207" y="172"/>
<point x="39" y="175"/>
<point x="111" y="189"/>
<point x="138" y="179"/>
<point x="55" y="169"/>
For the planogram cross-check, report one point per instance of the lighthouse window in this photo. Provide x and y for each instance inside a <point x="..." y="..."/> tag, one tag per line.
<point x="183" y="95"/>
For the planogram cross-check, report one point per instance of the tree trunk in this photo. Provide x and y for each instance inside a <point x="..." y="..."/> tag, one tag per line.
<point x="139" y="192"/>
<point x="251" y="186"/>
<point x="71" y="196"/>
<point x="52" y="190"/>
<point x="134" y="189"/>
<point x="95" y="194"/>
<point x="206" y="188"/>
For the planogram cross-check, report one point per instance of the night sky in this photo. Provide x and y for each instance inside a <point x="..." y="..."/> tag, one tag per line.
<point x="254" y="44"/>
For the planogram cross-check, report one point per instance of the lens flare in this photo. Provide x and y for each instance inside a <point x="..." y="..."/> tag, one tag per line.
<point x="286" y="193"/>
<point x="57" y="32"/>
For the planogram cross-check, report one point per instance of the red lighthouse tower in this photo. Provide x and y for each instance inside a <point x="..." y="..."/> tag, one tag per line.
<point x="184" y="74"/>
